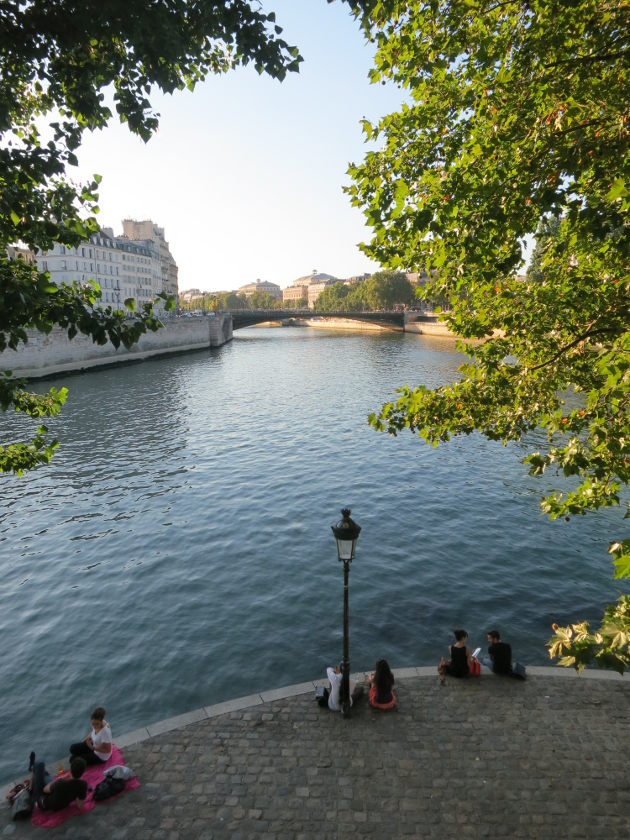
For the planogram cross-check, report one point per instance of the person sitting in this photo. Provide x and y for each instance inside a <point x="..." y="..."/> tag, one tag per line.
<point x="500" y="654"/>
<point x="95" y="748"/>
<point x="381" y="694"/>
<point x="458" y="664"/>
<point x="57" y="795"/>
<point x="335" y="697"/>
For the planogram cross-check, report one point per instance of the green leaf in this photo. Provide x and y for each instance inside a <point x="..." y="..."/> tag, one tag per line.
<point x="617" y="190"/>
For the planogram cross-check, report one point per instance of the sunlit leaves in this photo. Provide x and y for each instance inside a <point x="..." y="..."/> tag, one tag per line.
<point x="620" y="552"/>
<point x="577" y="646"/>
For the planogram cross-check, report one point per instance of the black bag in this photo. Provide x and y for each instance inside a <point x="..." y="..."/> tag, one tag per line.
<point x="519" y="671"/>
<point x="108" y="787"/>
<point x="321" y="695"/>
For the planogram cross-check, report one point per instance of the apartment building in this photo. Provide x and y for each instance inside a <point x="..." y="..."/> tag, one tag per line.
<point x="123" y="268"/>
<point x="146" y="231"/>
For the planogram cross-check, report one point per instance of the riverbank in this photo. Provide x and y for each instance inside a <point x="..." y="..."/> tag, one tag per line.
<point x="489" y="757"/>
<point x="47" y="354"/>
<point x="414" y="323"/>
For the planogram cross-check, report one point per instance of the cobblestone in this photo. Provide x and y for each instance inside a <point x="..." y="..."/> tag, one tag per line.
<point x="494" y="758"/>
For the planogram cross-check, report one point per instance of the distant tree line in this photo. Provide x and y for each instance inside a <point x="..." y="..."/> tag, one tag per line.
<point x="231" y="300"/>
<point x="383" y="290"/>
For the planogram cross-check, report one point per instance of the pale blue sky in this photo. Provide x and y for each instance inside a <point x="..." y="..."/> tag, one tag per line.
<point x="245" y="174"/>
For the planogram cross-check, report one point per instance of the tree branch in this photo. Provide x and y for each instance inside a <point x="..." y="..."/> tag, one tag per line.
<point x="578" y="59"/>
<point x="571" y="344"/>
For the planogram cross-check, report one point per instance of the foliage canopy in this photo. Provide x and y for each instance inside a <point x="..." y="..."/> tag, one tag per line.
<point x="517" y="116"/>
<point x="383" y="290"/>
<point x="57" y="61"/>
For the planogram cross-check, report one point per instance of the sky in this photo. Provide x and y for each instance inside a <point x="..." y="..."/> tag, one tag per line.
<point x="245" y="173"/>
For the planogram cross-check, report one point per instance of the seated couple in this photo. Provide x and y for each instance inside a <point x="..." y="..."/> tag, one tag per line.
<point x="381" y="695"/>
<point x="96" y="748"/>
<point x="499" y="653"/>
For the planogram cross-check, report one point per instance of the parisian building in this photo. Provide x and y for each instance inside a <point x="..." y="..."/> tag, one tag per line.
<point x="308" y="287"/>
<point x="122" y="266"/>
<point x="261" y="286"/>
<point x="147" y="231"/>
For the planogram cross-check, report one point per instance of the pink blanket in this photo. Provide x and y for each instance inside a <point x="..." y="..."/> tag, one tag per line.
<point x="93" y="775"/>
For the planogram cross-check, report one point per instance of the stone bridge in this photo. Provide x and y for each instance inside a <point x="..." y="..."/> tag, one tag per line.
<point x="248" y="317"/>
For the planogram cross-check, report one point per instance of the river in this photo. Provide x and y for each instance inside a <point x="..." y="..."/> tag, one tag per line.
<point x="177" y="551"/>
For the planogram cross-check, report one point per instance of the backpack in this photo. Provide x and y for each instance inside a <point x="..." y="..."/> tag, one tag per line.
<point x="110" y="786"/>
<point x="22" y="806"/>
<point x="321" y="696"/>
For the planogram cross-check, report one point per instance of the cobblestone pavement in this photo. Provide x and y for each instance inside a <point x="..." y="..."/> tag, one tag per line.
<point x="482" y="758"/>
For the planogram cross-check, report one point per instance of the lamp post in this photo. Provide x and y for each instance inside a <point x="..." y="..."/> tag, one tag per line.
<point x="346" y="533"/>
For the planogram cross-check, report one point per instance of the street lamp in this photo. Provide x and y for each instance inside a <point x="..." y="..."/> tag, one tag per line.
<point x="346" y="533"/>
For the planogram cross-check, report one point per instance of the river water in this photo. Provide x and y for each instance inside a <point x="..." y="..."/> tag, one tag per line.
<point x="177" y="551"/>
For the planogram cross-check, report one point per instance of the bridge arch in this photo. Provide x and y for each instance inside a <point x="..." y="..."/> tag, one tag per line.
<point x="249" y="317"/>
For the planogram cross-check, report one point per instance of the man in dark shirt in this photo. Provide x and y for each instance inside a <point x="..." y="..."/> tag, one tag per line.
<point x="55" y="796"/>
<point x="500" y="653"/>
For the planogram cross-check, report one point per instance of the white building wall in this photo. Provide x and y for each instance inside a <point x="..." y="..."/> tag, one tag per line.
<point x="121" y="268"/>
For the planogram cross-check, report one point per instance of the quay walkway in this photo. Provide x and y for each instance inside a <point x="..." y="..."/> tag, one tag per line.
<point x="481" y="758"/>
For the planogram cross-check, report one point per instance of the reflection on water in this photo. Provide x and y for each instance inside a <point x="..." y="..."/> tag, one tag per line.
<point x="178" y="551"/>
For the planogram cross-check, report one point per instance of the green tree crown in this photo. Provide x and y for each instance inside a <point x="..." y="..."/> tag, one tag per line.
<point x="516" y="121"/>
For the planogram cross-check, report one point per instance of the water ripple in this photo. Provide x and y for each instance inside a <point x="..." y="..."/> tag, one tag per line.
<point x="177" y="551"/>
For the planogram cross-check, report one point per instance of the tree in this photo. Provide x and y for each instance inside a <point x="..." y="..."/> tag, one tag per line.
<point x="231" y="300"/>
<point x="386" y="289"/>
<point x="517" y="113"/>
<point x="333" y="298"/>
<point x="56" y="61"/>
<point x="263" y="300"/>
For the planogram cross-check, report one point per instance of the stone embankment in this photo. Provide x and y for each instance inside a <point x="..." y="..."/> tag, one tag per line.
<point x="47" y="355"/>
<point x="414" y="323"/>
<point x="490" y="757"/>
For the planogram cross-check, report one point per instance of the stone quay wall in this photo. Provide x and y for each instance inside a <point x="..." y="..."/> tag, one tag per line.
<point x="426" y="325"/>
<point x="46" y="355"/>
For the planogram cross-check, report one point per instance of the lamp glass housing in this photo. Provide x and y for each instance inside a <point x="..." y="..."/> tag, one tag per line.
<point x="346" y="533"/>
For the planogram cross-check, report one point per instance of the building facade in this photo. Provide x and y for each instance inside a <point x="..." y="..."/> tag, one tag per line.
<point x="147" y="231"/>
<point x="123" y="268"/>
<point x="294" y="296"/>
<point x="261" y="286"/>
<point x="308" y="287"/>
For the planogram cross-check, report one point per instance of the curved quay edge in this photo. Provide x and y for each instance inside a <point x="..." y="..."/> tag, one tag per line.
<point x="145" y="733"/>
<point x="250" y="700"/>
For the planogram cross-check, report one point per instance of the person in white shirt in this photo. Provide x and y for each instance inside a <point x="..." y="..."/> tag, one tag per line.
<point x="335" y="676"/>
<point x="95" y="748"/>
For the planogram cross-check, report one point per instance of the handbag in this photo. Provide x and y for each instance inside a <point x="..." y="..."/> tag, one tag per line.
<point x="474" y="668"/>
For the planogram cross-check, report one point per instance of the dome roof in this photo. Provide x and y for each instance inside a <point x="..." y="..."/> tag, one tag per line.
<point x="314" y="277"/>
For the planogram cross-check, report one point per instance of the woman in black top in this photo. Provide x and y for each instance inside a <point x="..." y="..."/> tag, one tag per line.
<point x="457" y="665"/>
<point x="381" y="685"/>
